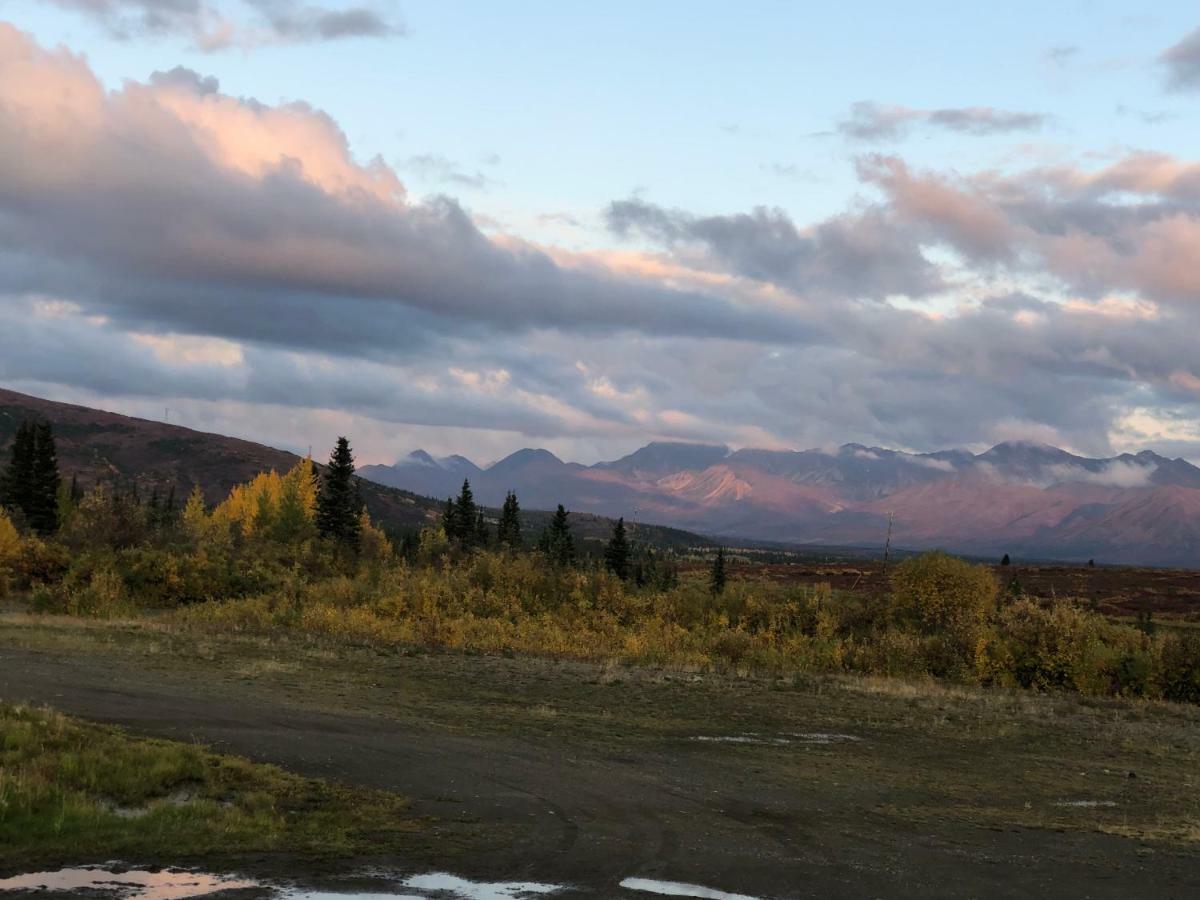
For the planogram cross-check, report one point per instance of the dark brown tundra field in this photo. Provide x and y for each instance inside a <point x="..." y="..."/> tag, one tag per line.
<point x="1116" y="591"/>
<point x="587" y="775"/>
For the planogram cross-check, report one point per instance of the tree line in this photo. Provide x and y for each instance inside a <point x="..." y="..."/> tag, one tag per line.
<point x="32" y="492"/>
<point x="33" y="496"/>
<point x="466" y="526"/>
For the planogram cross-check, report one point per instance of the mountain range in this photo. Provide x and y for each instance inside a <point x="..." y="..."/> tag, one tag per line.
<point x="1023" y="498"/>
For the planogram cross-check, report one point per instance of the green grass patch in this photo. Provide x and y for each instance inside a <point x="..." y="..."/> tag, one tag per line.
<point x="72" y="791"/>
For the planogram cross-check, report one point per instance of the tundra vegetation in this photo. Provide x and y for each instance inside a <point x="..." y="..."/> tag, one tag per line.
<point x="71" y="789"/>
<point x="295" y="552"/>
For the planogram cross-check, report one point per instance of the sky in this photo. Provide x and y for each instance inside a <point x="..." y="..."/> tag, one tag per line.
<point x="475" y="227"/>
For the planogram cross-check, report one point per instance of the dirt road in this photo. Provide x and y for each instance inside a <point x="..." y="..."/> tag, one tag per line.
<point x="589" y="813"/>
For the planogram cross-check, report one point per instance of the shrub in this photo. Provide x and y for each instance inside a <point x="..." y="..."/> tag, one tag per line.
<point x="1050" y="647"/>
<point x="938" y="592"/>
<point x="1178" y="671"/>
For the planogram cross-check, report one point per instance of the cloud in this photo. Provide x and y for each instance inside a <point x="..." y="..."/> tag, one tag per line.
<point x="237" y="253"/>
<point x="1117" y="473"/>
<point x="1146" y="117"/>
<point x="928" y="462"/>
<point x="1182" y="63"/>
<point x="854" y="255"/>
<point x="1132" y="225"/>
<point x="1061" y="54"/>
<point x="878" y="122"/>
<point x="194" y="210"/>
<point x="186" y="79"/>
<point x="210" y="28"/>
<point x="437" y="168"/>
<point x="290" y="21"/>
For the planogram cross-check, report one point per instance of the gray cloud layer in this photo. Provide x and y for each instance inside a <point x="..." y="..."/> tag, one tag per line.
<point x="855" y="255"/>
<point x="878" y="122"/>
<point x="210" y="28"/>
<point x="1182" y="63"/>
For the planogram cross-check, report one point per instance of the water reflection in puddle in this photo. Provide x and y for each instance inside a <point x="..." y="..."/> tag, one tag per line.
<point x="177" y="884"/>
<point x="679" y="889"/>
<point x="112" y="882"/>
<point x="168" y="884"/>
<point x="440" y="882"/>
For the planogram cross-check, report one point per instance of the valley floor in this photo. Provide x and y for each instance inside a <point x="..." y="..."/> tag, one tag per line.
<point x="587" y="775"/>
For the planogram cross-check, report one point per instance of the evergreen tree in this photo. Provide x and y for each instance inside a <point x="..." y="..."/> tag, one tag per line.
<point x="339" y="504"/>
<point x="466" y="516"/>
<point x="17" y="483"/>
<point x="481" y="533"/>
<point x="616" y="554"/>
<point x="557" y="542"/>
<point x="154" y="510"/>
<point x="31" y="483"/>
<point x="717" y="575"/>
<point x="509" y="530"/>
<point x="1005" y="561"/>
<point x="450" y="519"/>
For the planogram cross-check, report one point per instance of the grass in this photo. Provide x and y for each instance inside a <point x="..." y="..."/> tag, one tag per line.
<point x="74" y="792"/>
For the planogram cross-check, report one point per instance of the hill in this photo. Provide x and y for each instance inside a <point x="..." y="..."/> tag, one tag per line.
<point x="97" y="446"/>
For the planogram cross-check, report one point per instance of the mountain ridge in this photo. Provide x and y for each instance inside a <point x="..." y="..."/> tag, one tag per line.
<point x="1022" y="497"/>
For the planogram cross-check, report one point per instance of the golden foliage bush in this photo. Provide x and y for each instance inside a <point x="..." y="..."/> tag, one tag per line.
<point x="938" y="592"/>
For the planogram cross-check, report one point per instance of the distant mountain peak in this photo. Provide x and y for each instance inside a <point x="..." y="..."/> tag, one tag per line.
<point x="457" y="463"/>
<point x="527" y="456"/>
<point x="661" y="457"/>
<point x="417" y="458"/>
<point x="1025" y="446"/>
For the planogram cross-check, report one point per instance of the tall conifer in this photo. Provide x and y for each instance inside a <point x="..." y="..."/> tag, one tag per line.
<point x="46" y="481"/>
<point x="616" y="554"/>
<point x="466" y="516"/>
<point x="509" y="530"/>
<point x="557" y="542"/>
<point x="16" y="485"/>
<point x="717" y="575"/>
<point x="339" y="504"/>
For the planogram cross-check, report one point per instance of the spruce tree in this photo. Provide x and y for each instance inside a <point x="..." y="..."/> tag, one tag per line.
<point x="17" y="483"/>
<point x="481" y="535"/>
<point x="616" y="554"/>
<point x="509" y="530"/>
<point x="339" y="504"/>
<point x="466" y="516"/>
<point x="717" y="575"/>
<point x="557" y="542"/>
<point x="450" y="520"/>
<point x="43" y="517"/>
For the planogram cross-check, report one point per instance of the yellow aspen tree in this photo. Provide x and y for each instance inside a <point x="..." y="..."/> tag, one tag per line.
<point x="195" y="515"/>
<point x="10" y="542"/>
